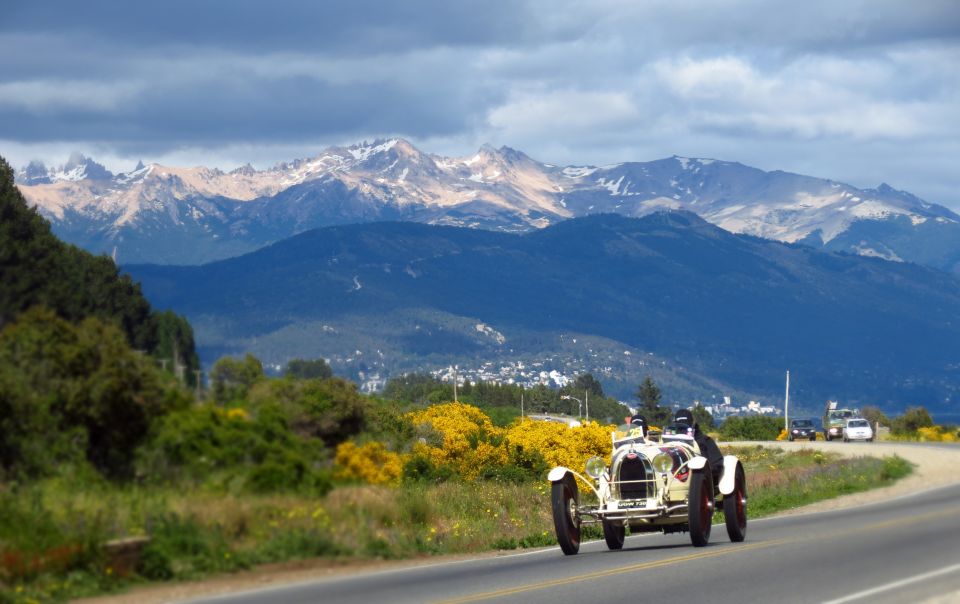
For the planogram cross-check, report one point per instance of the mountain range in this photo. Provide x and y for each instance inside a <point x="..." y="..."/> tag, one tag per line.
<point x="705" y="311"/>
<point x="175" y="215"/>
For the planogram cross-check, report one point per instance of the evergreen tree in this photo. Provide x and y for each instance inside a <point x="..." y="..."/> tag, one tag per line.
<point x="232" y="378"/>
<point x="585" y="382"/>
<point x="314" y="369"/>
<point x="175" y="344"/>
<point x="36" y="268"/>
<point x="649" y="395"/>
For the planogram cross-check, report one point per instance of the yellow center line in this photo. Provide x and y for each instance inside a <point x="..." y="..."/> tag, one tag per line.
<point x="607" y="573"/>
<point x="500" y="593"/>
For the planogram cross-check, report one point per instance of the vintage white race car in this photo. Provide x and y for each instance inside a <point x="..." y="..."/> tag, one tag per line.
<point x="654" y="482"/>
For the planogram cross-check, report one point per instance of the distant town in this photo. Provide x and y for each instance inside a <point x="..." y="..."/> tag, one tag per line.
<point x="530" y="375"/>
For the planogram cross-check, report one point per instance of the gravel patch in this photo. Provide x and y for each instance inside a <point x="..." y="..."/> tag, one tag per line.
<point x="935" y="465"/>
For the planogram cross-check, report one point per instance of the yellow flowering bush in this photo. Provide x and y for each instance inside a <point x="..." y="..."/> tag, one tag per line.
<point x="782" y="435"/>
<point x="371" y="462"/>
<point x="559" y="444"/>
<point x="238" y="414"/>
<point x="458" y="436"/>
<point x="936" y="434"/>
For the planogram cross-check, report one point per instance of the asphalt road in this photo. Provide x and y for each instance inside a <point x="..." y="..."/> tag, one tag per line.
<point x="905" y="549"/>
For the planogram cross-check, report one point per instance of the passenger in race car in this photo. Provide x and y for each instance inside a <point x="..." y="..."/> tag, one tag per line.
<point x="708" y="447"/>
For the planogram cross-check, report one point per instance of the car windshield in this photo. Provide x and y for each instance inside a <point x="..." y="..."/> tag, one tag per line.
<point x="858" y="423"/>
<point x="801" y="423"/>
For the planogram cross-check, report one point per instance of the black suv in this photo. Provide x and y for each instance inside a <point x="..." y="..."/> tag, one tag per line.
<point x="801" y="428"/>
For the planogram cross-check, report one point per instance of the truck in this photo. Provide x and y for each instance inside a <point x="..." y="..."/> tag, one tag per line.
<point x="835" y="417"/>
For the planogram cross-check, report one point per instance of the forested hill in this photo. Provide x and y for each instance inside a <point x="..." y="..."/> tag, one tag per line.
<point x="36" y="268"/>
<point x="736" y="309"/>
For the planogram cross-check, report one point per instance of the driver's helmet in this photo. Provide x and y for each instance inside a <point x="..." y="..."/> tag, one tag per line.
<point x="684" y="416"/>
<point x="639" y="421"/>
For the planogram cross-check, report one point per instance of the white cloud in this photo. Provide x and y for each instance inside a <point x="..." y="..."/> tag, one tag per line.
<point x="45" y="95"/>
<point x="562" y="112"/>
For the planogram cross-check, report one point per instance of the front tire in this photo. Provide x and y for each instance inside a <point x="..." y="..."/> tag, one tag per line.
<point x="566" y="520"/>
<point x="735" y="508"/>
<point x="700" y="501"/>
<point x="790" y="438"/>
<point x="813" y="438"/>
<point x="614" y="533"/>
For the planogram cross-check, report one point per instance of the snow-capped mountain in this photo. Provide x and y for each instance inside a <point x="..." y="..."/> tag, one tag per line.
<point x="77" y="168"/>
<point x="192" y="215"/>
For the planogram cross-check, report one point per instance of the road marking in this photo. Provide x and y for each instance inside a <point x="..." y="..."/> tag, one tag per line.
<point x="895" y="585"/>
<point x="607" y="573"/>
<point x="500" y="593"/>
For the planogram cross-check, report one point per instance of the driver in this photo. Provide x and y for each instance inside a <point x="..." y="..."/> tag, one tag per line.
<point x="637" y="421"/>
<point x="708" y="447"/>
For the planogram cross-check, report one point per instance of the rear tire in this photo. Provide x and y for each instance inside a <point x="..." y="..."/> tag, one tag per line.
<point x="701" y="504"/>
<point x="813" y="438"/>
<point x="566" y="521"/>
<point x="790" y="438"/>
<point x="614" y="533"/>
<point x="735" y="508"/>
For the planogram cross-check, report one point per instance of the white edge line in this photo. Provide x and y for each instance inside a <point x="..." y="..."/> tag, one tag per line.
<point x="894" y="585"/>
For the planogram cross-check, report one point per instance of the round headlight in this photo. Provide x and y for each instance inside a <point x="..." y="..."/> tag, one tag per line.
<point x="596" y="467"/>
<point x="663" y="463"/>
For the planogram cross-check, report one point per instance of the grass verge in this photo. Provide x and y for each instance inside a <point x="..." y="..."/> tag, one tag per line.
<point x="53" y="534"/>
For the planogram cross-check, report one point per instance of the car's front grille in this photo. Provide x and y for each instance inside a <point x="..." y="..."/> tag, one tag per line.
<point x="633" y="469"/>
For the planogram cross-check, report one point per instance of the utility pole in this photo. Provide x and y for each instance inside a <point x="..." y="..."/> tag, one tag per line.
<point x="586" y="398"/>
<point x="455" y="384"/>
<point x="521" y="405"/>
<point x="786" y="404"/>
<point x="198" y="373"/>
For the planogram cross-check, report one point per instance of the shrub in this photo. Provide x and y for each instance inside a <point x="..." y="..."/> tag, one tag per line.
<point x="180" y="547"/>
<point x="371" y="463"/>
<point x="76" y="391"/>
<point x="32" y="542"/>
<point x="459" y="436"/>
<point x="912" y="420"/>
<point x="937" y="434"/>
<point x="329" y="409"/>
<point x="420" y="467"/>
<point x="207" y="444"/>
<point x="557" y="444"/>
<point x="894" y="468"/>
<point x="751" y="427"/>
<point x="232" y="378"/>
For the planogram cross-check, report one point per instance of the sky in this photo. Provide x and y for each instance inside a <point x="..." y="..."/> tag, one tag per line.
<point x="860" y="91"/>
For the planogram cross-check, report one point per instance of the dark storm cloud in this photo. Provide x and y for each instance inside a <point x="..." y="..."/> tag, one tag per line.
<point x="360" y="27"/>
<point x="771" y="84"/>
<point x="172" y="113"/>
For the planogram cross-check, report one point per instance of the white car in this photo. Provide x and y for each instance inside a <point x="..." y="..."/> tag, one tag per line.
<point x="857" y="429"/>
<point x="658" y="482"/>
